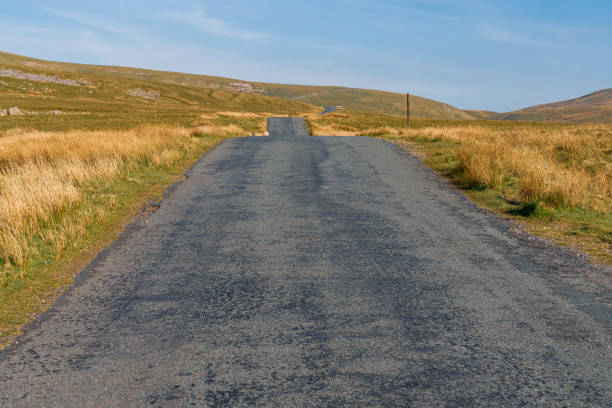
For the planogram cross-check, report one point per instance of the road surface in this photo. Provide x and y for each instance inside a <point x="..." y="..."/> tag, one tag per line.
<point x="295" y="271"/>
<point x="329" y="109"/>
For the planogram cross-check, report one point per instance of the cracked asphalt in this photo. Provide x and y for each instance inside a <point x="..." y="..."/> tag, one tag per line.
<point x="301" y="271"/>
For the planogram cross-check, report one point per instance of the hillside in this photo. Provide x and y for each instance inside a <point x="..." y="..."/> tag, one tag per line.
<point x="385" y="102"/>
<point x="595" y="107"/>
<point x="56" y="96"/>
<point x="480" y="114"/>
<point x="111" y="84"/>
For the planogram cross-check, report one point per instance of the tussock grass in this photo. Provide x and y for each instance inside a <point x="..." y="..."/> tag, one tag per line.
<point x="566" y="167"/>
<point x="240" y="114"/>
<point x="45" y="178"/>
<point x="229" y="122"/>
<point x="211" y="129"/>
<point x="334" y="131"/>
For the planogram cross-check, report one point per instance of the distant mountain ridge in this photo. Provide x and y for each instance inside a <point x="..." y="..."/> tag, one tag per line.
<point x="595" y="107"/>
<point x="352" y="98"/>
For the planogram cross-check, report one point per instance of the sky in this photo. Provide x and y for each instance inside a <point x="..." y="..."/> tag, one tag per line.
<point x="474" y="54"/>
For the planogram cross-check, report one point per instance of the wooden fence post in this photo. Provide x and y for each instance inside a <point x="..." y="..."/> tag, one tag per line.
<point x="408" y="110"/>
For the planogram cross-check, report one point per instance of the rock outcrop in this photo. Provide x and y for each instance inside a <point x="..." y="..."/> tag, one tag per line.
<point x="141" y="93"/>
<point x="15" y="73"/>
<point x="14" y="111"/>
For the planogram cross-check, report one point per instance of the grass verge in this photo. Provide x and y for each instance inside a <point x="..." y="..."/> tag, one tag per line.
<point x="554" y="179"/>
<point x="67" y="195"/>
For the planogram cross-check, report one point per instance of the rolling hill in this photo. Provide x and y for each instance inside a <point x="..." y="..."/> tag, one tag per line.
<point x="480" y="114"/>
<point x="57" y="96"/>
<point x="595" y="107"/>
<point x="39" y="85"/>
<point x="383" y="102"/>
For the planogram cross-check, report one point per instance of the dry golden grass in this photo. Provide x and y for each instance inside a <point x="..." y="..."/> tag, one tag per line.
<point x="560" y="167"/>
<point x="228" y="122"/>
<point x="240" y="114"/>
<point x="208" y="116"/>
<point x="333" y="131"/>
<point x="44" y="175"/>
<point x="209" y="129"/>
<point x="338" y="115"/>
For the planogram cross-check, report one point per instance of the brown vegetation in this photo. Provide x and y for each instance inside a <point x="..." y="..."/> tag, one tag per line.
<point x="594" y="108"/>
<point x="44" y="177"/>
<point x="562" y="167"/>
<point x="556" y="179"/>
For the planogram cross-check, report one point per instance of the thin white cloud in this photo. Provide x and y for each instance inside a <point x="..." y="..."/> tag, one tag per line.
<point x="92" y="22"/>
<point x="213" y="26"/>
<point x="539" y="34"/>
<point x="515" y="36"/>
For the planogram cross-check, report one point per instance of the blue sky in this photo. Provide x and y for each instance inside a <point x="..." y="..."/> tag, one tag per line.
<point x="474" y="54"/>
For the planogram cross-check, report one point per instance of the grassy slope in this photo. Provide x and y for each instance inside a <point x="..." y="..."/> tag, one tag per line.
<point x="480" y="114"/>
<point x="190" y="87"/>
<point x="367" y="100"/>
<point x="107" y="103"/>
<point x="595" y="108"/>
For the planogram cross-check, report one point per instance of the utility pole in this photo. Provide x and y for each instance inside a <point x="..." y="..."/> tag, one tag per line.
<point x="408" y="110"/>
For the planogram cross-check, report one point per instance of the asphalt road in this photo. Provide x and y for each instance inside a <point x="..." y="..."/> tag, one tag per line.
<point x="294" y="271"/>
<point x="329" y="109"/>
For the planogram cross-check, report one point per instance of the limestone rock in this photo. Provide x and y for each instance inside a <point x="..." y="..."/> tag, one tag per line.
<point x="14" y="111"/>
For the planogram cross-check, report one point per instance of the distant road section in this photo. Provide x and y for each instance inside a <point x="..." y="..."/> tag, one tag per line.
<point x="329" y="109"/>
<point x="301" y="271"/>
<point x="287" y="127"/>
